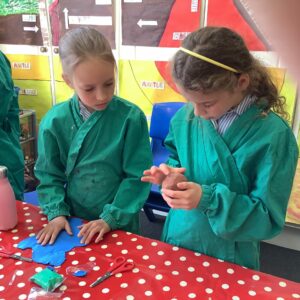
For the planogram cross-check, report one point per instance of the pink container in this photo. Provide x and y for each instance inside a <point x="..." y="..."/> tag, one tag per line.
<point x="8" y="209"/>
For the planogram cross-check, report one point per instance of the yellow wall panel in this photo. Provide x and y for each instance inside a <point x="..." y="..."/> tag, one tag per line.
<point x="286" y="87"/>
<point x="289" y="91"/>
<point x="62" y="91"/>
<point x="57" y="68"/>
<point x="298" y="140"/>
<point x="141" y="83"/>
<point x="293" y="211"/>
<point x="35" y="95"/>
<point x="29" y="66"/>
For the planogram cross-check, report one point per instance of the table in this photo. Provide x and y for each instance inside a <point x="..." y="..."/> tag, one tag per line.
<point x="162" y="271"/>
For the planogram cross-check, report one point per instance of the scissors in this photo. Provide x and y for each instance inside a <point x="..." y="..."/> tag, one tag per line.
<point x="119" y="265"/>
<point x="5" y="253"/>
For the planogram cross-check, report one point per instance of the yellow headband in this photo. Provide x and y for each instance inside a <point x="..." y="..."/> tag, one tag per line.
<point x="209" y="60"/>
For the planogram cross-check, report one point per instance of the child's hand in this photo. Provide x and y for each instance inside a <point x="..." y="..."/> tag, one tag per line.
<point x="53" y="228"/>
<point x="87" y="231"/>
<point x="187" y="197"/>
<point x="156" y="175"/>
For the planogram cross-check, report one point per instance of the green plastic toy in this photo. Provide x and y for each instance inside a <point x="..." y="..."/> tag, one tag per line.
<point x="47" y="279"/>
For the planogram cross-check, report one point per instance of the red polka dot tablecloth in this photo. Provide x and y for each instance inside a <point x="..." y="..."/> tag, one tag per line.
<point x="161" y="271"/>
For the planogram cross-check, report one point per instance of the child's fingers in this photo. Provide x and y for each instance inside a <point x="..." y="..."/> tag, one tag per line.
<point x="83" y="230"/>
<point x="165" y="169"/>
<point x="175" y="202"/>
<point x="146" y="178"/>
<point x="179" y="170"/>
<point x="162" y="170"/>
<point x="53" y="237"/>
<point x="151" y="171"/>
<point x="103" y="230"/>
<point x="175" y="194"/>
<point x="40" y="237"/>
<point x="68" y="228"/>
<point x="167" y="199"/>
<point x="39" y="234"/>
<point x="84" y="240"/>
<point x="150" y="179"/>
<point x="87" y="237"/>
<point x="156" y="174"/>
<point x="53" y="234"/>
<point x="147" y="172"/>
<point x="45" y="238"/>
<point x="184" y="185"/>
<point x="99" y="237"/>
<point x="169" y="193"/>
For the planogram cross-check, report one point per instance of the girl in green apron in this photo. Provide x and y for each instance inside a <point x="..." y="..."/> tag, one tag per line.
<point x="238" y="154"/>
<point x="93" y="148"/>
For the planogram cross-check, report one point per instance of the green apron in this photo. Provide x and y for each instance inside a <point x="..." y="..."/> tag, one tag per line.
<point x="92" y="169"/>
<point x="11" y="154"/>
<point x="246" y="176"/>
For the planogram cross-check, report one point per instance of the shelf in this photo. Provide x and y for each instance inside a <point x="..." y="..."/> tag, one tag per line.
<point x="26" y="113"/>
<point x="27" y="140"/>
<point x="288" y="238"/>
<point x="292" y="225"/>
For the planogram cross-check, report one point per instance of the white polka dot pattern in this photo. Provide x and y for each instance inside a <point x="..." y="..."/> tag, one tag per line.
<point x="161" y="271"/>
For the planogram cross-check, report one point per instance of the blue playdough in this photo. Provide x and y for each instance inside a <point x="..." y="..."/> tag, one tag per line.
<point x="54" y="254"/>
<point x="80" y="273"/>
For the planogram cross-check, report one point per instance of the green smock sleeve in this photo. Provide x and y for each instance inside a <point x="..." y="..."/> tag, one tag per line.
<point x="6" y="84"/>
<point x="173" y="159"/>
<point x="11" y="154"/>
<point x="49" y="169"/>
<point x="132" y="192"/>
<point x="260" y="214"/>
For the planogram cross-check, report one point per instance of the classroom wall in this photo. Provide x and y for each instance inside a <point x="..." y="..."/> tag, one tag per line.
<point x="144" y="34"/>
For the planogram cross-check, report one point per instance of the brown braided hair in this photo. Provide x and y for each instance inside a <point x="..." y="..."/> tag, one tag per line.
<point x="228" y="47"/>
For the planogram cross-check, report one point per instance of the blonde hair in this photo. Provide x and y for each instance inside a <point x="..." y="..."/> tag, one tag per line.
<point x="227" y="47"/>
<point x="82" y="43"/>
